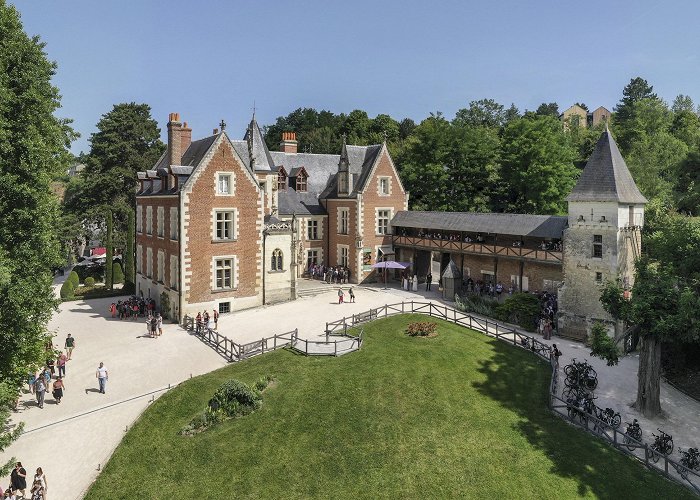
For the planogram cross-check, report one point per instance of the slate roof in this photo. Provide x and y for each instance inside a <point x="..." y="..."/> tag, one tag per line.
<point x="291" y="202"/>
<point x="539" y="226"/>
<point x="452" y="271"/>
<point x="320" y="167"/>
<point x="606" y="176"/>
<point x="180" y="170"/>
<point x="196" y="151"/>
<point x="262" y="161"/>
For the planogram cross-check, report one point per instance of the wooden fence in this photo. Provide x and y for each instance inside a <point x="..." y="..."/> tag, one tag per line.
<point x="233" y="351"/>
<point x="666" y="466"/>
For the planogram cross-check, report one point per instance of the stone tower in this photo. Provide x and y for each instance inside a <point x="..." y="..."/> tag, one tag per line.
<point x="603" y="238"/>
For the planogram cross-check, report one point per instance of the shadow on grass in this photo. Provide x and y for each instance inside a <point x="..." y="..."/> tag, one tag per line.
<point x="519" y="381"/>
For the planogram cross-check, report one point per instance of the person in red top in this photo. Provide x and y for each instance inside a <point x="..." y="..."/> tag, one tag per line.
<point x="61" y="363"/>
<point x="216" y="319"/>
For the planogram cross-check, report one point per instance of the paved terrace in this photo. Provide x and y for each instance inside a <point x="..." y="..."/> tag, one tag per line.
<point x="70" y="440"/>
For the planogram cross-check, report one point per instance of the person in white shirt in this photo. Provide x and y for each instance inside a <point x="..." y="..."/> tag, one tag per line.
<point x="102" y="376"/>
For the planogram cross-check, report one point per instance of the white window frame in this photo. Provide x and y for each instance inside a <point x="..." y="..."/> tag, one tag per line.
<point x="234" y="272"/>
<point x="139" y="259"/>
<point x="215" y="224"/>
<point x="315" y="223"/>
<point x="160" y="222"/>
<point x="380" y="183"/>
<point x="343" y="220"/>
<point x="231" y="183"/>
<point x="319" y="255"/>
<point x="274" y="260"/>
<point x="139" y="219"/>
<point x="174" y="224"/>
<point x="149" y="262"/>
<point x="343" y="254"/>
<point x="377" y="211"/>
<point x="173" y="272"/>
<point x="160" y="270"/>
<point x="149" y="220"/>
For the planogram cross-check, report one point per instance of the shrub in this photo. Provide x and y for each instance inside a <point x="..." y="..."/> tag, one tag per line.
<point x="521" y="309"/>
<point x="421" y="329"/>
<point x="95" y="271"/>
<point x="67" y="289"/>
<point x="477" y="304"/>
<point x="234" y="398"/>
<point x="165" y="305"/>
<point x="74" y="279"/>
<point x="90" y="281"/>
<point x="117" y="273"/>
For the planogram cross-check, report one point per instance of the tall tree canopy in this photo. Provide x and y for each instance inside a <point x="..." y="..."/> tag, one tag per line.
<point x="33" y="150"/>
<point x="625" y="111"/>
<point x="548" y="109"/>
<point x="537" y="165"/>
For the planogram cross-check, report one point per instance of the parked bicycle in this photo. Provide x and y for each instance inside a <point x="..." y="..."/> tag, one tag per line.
<point x="633" y="432"/>
<point x="663" y="445"/>
<point x="690" y="460"/>
<point x="580" y="374"/>
<point x="608" y="416"/>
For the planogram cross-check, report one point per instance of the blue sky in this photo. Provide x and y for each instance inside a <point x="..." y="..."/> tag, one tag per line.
<point x="210" y="60"/>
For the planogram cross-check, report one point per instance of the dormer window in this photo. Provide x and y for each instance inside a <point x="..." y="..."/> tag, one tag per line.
<point x="281" y="180"/>
<point x="301" y="181"/>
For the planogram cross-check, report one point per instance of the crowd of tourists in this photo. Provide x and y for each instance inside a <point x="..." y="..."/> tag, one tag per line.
<point x="338" y="274"/>
<point x="548" y="310"/>
<point x="205" y="321"/>
<point x="18" y="484"/>
<point x="52" y="373"/>
<point x="133" y="307"/>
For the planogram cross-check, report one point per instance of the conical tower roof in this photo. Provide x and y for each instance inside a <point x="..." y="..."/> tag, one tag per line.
<point x="606" y="176"/>
<point x="260" y="158"/>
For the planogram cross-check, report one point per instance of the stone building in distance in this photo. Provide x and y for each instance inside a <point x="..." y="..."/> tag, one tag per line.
<point x="226" y="224"/>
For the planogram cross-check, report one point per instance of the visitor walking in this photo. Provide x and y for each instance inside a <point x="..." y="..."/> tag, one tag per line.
<point x="61" y="363"/>
<point x="159" y="324"/>
<point x="352" y="295"/>
<point x="18" y="478"/>
<point x="51" y="364"/>
<point x="41" y="478"/>
<point x="38" y="492"/>
<point x="216" y="319"/>
<point x="102" y="376"/>
<point x="40" y="391"/>
<point x="31" y="381"/>
<point x="547" y="330"/>
<point x="428" y="281"/>
<point x="57" y="391"/>
<point x="154" y="326"/>
<point x="341" y="295"/>
<point x="69" y="345"/>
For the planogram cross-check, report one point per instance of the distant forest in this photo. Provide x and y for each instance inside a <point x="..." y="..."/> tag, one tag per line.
<point x="494" y="158"/>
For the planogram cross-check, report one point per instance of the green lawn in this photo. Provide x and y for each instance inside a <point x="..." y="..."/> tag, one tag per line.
<point x="455" y="416"/>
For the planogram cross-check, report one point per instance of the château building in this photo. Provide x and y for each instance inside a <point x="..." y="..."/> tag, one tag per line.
<point x="224" y="223"/>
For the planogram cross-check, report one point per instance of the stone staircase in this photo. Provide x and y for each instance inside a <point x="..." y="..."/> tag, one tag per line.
<point x="309" y="288"/>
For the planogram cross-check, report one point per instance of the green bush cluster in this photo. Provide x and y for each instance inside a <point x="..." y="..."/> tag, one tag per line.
<point x="90" y="282"/>
<point x="74" y="279"/>
<point x="95" y="271"/>
<point x="117" y="273"/>
<point x="521" y="309"/>
<point x="67" y="289"/>
<point x="233" y="399"/>
<point x="602" y="346"/>
<point x="421" y="329"/>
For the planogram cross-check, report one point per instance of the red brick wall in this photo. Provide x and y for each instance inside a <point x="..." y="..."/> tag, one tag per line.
<point x="372" y="200"/>
<point x="169" y="246"/>
<point x="199" y="246"/>
<point x="335" y="239"/>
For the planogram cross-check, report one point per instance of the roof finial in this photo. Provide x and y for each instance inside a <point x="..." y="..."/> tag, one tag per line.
<point x="222" y="125"/>
<point x="344" y="136"/>
<point x="253" y="109"/>
<point x="385" y="135"/>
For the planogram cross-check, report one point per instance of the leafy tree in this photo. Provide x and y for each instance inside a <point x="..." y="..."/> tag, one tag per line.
<point x="424" y="163"/>
<point x="603" y="346"/>
<point x="581" y="105"/>
<point x="357" y="126"/>
<point x="683" y="103"/>
<point x="654" y="163"/>
<point x="686" y="127"/>
<point x="33" y="151"/>
<point x="687" y="188"/>
<point x="383" y="126"/>
<point x="537" y="165"/>
<point x="109" y="262"/>
<point x="406" y="128"/>
<point x="485" y="112"/>
<point x="510" y="114"/>
<point x="626" y="111"/>
<point x="117" y="273"/>
<point x="548" y="109"/>
<point x="129" y="269"/>
<point x="664" y="299"/>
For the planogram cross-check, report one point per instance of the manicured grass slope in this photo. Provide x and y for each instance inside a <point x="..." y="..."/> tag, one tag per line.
<point x="459" y="415"/>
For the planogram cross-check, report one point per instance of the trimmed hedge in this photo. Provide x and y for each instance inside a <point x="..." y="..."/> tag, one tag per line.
<point x="95" y="271"/>
<point x="117" y="273"/>
<point x="90" y="282"/>
<point x="74" y="279"/>
<point x="67" y="289"/>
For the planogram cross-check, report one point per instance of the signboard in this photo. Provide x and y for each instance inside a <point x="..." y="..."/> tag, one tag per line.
<point x="366" y="259"/>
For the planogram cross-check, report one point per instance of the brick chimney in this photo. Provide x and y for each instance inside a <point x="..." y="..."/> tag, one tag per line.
<point x="289" y="142"/>
<point x="179" y="138"/>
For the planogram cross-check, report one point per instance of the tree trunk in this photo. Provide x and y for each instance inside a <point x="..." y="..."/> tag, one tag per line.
<point x="648" y="377"/>
<point x="129" y="270"/>
<point x="110" y="252"/>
